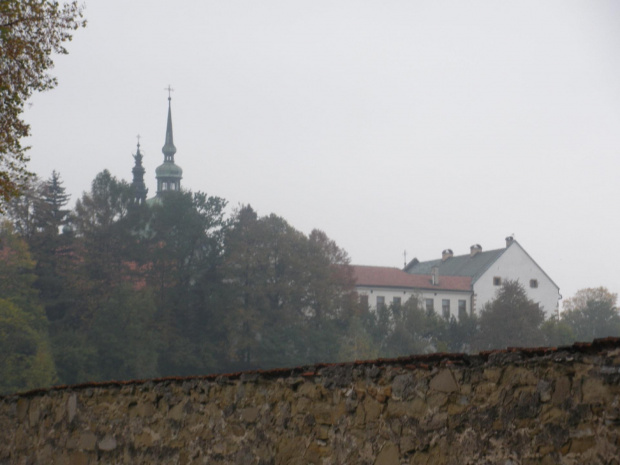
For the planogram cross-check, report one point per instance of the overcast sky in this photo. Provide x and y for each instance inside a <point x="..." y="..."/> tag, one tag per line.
<point x="391" y="125"/>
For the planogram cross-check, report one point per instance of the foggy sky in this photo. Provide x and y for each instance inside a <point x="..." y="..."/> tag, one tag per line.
<point x="392" y="126"/>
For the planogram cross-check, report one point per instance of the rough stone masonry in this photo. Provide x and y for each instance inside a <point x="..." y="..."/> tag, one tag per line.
<point x="519" y="406"/>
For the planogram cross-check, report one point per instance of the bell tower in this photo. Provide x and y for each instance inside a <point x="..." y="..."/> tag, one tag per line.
<point x="137" y="184"/>
<point x="168" y="174"/>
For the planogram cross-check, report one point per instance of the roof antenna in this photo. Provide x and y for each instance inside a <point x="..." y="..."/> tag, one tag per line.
<point x="405" y="255"/>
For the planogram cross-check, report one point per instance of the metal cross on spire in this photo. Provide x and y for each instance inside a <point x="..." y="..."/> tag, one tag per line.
<point x="138" y="137"/>
<point x="169" y="89"/>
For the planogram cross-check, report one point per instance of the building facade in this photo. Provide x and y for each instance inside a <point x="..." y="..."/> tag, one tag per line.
<point x="449" y="296"/>
<point x="489" y="269"/>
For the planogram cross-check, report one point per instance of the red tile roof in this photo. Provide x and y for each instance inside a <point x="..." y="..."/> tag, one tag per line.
<point x="384" y="276"/>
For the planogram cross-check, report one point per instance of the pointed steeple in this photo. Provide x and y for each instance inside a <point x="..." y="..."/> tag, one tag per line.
<point x="137" y="184"/>
<point x="168" y="174"/>
<point x="169" y="149"/>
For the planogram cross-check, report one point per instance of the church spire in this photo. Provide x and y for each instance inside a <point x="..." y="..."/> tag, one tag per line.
<point x="168" y="174"/>
<point x="169" y="149"/>
<point x="137" y="185"/>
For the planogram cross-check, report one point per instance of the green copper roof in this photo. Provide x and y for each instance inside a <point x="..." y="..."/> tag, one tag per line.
<point x="168" y="170"/>
<point x="169" y="149"/>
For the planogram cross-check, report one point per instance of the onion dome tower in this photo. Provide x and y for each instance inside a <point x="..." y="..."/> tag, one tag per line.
<point x="168" y="174"/>
<point x="137" y="184"/>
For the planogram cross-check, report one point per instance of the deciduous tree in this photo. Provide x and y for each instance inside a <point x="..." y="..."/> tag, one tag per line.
<point x="288" y="294"/>
<point x="592" y="313"/>
<point x="25" y="357"/>
<point x="97" y="221"/>
<point x="31" y="31"/>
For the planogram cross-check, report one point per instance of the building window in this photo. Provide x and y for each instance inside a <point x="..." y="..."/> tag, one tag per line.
<point x="534" y="283"/>
<point x="445" y="308"/>
<point x="497" y="281"/>
<point x="364" y="301"/>
<point x="462" y="309"/>
<point x="396" y="302"/>
<point x="430" y="305"/>
<point x="380" y="302"/>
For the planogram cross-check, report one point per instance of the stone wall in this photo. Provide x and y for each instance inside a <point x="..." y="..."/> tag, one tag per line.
<point x="537" y="406"/>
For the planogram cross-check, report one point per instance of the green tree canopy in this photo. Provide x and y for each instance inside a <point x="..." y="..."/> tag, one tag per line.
<point x="412" y="329"/>
<point x="592" y="313"/>
<point x="25" y="357"/>
<point x="185" y="240"/>
<point x="510" y="320"/>
<point x="287" y="292"/>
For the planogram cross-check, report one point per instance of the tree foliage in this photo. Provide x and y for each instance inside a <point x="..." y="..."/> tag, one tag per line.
<point x="184" y="240"/>
<point x="592" y="313"/>
<point x="412" y="329"/>
<point x="510" y="320"/>
<point x="31" y="31"/>
<point x="112" y="290"/>
<point x="25" y="357"/>
<point x="286" y="292"/>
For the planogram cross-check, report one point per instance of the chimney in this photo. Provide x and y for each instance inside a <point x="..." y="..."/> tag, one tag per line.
<point x="509" y="241"/>
<point x="475" y="249"/>
<point x="435" y="276"/>
<point x="446" y="254"/>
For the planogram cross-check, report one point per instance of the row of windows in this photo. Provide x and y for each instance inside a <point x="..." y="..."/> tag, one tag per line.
<point x="497" y="281"/>
<point x="396" y="301"/>
<point x="445" y="307"/>
<point x="429" y="305"/>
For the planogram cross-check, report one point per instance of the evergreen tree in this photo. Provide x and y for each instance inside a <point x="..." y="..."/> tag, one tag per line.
<point x="53" y="214"/>
<point x="50" y="247"/>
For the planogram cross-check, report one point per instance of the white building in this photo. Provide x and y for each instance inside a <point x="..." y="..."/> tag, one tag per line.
<point x="487" y="270"/>
<point x="446" y="295"/>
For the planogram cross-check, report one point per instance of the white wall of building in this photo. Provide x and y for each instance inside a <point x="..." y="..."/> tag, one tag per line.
<point x="437" y="296"/>
<point x="515" y="264"/>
